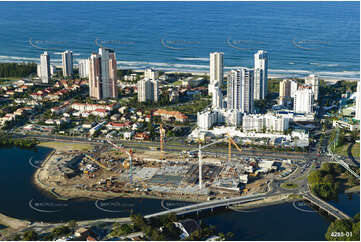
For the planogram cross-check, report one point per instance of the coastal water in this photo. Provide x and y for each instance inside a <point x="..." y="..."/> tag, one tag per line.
<point x="301" y="37"/>
<point x="21" y="199"/>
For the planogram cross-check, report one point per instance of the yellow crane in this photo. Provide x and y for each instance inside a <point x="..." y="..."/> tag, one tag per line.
<point x="230" y="142"/>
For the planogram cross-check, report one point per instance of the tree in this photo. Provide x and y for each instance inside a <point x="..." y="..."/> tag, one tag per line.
<point x="72" y="225"/>
<point x="344" y="230"/>
<point x="30" y="235"/>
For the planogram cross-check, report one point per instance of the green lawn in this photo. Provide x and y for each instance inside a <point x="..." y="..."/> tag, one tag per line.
<point x="177" y="83"/>
<point x="290" y="186"/>
<point x="342" y="150"/>
<point x="356" y="150"/>
<point x="10" y="78"/>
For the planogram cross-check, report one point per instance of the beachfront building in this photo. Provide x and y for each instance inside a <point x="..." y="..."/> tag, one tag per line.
<point x="216" y="68"/>
<point x="265" y="123"/>
<point x="303" y="101"/>
<point x="103" y="74"/>
<point x="358" y="100"/>
<point x="151" y="74"/>
<point x="260" y="74"/>
<point x="240" y="90"/>
<point x="148" y="90"/>
<point x="217" y="98"/>
<point x="67" y="63"/>
<point x="314" y="82"/>
<point x="45" y="67"/>
<point x="83" y="66"/>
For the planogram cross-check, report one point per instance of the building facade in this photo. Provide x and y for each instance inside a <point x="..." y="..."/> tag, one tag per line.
<point x="303" y="101"/>
<point x="260" y="74"/>
<point x="240" y="90"/>
<point x="45" y="67"/>
<point x="314" y="82"/>
<point x="216" y="71"/>
<point x="151" y="74"/>
<point x="103" y="74"/>
<point x="83" y="66"/>
<point x="358" y="100"/>
<point x="67" y="63"/>
<point x="148" y="90"/>
<point x="217" y="98"/>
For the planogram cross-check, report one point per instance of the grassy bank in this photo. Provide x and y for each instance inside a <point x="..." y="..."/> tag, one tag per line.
<point x="61" y="146"/>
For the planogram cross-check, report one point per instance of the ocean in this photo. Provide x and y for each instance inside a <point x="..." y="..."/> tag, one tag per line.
<point x="300" y="37"/>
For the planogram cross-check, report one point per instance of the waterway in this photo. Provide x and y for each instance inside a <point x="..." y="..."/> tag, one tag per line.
<point x="19" y="198"/>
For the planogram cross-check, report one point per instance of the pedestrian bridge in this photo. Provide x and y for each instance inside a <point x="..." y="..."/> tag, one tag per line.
<point x="314" y="200"/>
<point x="209" y="205"/>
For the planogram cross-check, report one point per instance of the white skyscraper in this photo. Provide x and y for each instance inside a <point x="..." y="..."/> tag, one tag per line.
<point x="216" y="67"/>
<point x="260" y="74"/>
<point x="294" y="87"/>
<point x="303" y="102"/>
<point x="151" y="74"/>
<point x="45" y="67"/>
<point x="103" y="74"/>
<point x="314" y="82"/>
<point x="240" y="90"/>
<point x="217" y="98"/>
<point x="67" y="63"/>
<point x="83" y="68"/>
<point x="148" y="90"/>
<point x="358" y="101"/>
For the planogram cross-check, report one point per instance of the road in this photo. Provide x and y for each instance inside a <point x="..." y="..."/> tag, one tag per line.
<point x="145" y="145"/>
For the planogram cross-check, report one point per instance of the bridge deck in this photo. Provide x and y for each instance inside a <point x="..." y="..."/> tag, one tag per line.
<point x="338" y="214"/>
<point x="208" y="205"/>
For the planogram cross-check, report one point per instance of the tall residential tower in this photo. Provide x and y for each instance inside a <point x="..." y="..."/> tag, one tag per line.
<point x="103" y="74"/>
<point x="260" y="74"/>
<point x="67" y="63"/>
<point x="240" y="90"/>
<point x="216" y="74"/>
<point x="45" y="67"/>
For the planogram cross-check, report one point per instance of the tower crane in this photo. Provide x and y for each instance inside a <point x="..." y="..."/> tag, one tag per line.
<point x="130" y="154"/>
<point x="162" y="134"/>
<point x="200" y="147"/>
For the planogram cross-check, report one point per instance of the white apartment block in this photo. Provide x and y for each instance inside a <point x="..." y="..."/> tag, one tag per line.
<point x="358" y="100"/>
<point x="151" y="74"/>
<point x="293" y="88"/>
<point x="303" y="101"/>
<point x="264" y="123"/>
<point x="217" y="98"/>
<point x="67" y="63"/>
<point x="260" y="74"/>
<point x="83" y="66"/>
<point x="240" y="90"/>
<point x="216" y="69"/>
<point x="45" y="67"/>
<point x="148" y="90"/>
<point x="314" y="82"/>
<point x="206" y="119"/>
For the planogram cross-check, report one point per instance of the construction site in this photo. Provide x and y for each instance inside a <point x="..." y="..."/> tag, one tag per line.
<point x="188" y="175"/>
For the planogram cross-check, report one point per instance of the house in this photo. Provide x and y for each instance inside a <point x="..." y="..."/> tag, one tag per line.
<point x="141" y="136"/>
<point x="187" y="226"/>
<point x="171" y="115"/>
